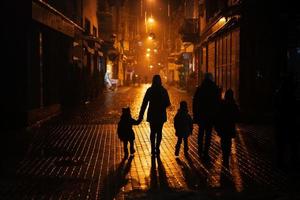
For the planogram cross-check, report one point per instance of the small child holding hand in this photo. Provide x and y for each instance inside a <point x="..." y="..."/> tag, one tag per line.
<point x="183" y="127"/>
<point x="125" y="131"/>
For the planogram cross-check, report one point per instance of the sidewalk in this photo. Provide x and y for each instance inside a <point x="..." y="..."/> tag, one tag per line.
<point x="78" y="156"/>
<point x="80" y="161"/>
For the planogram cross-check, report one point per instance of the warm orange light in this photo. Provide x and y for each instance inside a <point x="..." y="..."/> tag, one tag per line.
<point x="222" y="20"/>
<point x="155" y="50"/>
<point x="150" y="38"/>
<point x="151" y="66"/>
<point x="148" y="50"/>
<point x="150" y="20"/>
<point x="148" y="55"/>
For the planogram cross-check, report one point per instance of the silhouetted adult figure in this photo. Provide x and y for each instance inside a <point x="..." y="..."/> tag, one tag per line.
<point x="158" y="99"/>
<point x="227" y="116"/>
<point x="205" y="102"/>
<point x="285" y="122"/>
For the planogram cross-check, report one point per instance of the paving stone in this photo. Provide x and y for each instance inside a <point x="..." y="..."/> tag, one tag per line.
<point x="79" y="156"/>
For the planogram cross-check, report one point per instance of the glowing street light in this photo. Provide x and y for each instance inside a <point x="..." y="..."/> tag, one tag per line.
<point x="151" y="66"/>
<point x="147" y="55"/>
<point x="155" y="50"/>
<point x="151" y="20"/>
<point x="150" y="37"/>
<point x="148" y="50"/>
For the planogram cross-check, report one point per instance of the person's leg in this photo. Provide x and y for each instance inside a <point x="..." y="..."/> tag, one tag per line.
<point x="177" y="147"/>
<point x="200" y="138"/>
<point x="152" y="138"/>
<point x="158" y="137"/>
<point x="208" y="131"/>
<point x="125" y="143"/>
<point x="226" y="147"/>
<point x="131" y="146"/>
<point x="186" y="146"/>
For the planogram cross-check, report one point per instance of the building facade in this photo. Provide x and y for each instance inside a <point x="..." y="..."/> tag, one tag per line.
<point x="66" y="64"/>
<point x="239" y="45"/>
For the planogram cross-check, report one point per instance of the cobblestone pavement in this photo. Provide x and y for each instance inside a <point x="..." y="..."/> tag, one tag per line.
<point x="79" y="156"/>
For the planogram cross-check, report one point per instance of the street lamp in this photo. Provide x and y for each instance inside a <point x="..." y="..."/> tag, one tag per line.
<point x="151" y="20"/>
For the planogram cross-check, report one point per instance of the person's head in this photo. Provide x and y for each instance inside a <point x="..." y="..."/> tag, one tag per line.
<point x="183" y="105"/>
<point x="156" y="80"/>
<point x="229" y="95"/>
<point x="208" y="76"/>
<point x="126" y="111"/>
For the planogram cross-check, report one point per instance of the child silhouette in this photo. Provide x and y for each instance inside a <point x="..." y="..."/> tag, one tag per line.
<point x="183" y="127"/>
<point x="125" y="131"/>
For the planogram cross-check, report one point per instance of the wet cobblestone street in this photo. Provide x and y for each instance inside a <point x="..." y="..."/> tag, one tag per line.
<point x="79" y="156"/>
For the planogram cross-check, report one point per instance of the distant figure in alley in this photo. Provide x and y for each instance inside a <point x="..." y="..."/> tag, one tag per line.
<point x="158" y="99"/>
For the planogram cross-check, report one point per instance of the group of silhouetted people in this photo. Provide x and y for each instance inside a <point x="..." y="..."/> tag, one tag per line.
<point x="209" y="110"/>
<point x="157" y="100"/>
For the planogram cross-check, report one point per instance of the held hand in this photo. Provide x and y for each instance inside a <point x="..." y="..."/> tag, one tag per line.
<point x="140" y="119"/>
<point x="195" y="121"/>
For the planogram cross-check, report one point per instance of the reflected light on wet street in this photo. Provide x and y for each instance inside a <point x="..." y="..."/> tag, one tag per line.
<point x="234" y="168"/>
<point x="89" y="134"/>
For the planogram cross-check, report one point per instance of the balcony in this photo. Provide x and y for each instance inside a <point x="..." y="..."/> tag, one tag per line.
<point x="189" y="30"/>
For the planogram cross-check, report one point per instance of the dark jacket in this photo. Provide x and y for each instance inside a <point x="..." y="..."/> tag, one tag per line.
<point x="205" y="102"/>
<point x="183" y="124"/>
<point x="158" y="99"/>
<point x="227" y="116"/>
<point x="125" y="131"/>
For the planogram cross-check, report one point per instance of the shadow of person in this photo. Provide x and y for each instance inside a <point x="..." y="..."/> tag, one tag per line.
<point x="226" y="181"/>
<point x="193" y="177"/>
<point x="116" y="179"/>
<point x="153" y="175"/>
<point x="158" y="177"/>
<point x="187" y="173"/>
<point x="163" y="180"/>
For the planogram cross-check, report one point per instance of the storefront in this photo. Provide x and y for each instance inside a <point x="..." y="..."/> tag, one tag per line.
<point x="220" y="56"/>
